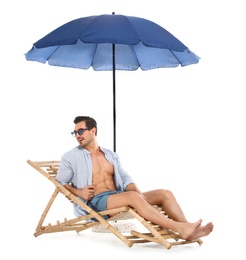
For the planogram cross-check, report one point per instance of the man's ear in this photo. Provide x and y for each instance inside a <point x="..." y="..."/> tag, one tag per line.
<point x="94" y="130"/>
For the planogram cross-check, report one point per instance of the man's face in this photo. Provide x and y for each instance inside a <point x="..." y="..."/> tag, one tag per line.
<point x="83" y="135"/>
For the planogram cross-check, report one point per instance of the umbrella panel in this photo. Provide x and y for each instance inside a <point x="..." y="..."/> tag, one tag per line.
<point x="99" y="56"/>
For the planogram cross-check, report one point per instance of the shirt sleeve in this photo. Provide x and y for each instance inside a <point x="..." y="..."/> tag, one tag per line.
<point x="65" y="172"/>
<point x="122" y="178"/>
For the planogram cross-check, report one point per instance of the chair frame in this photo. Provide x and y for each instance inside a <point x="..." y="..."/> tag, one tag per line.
<point x="156" y="234"/>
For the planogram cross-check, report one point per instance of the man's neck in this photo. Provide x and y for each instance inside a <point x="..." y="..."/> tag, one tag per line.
<point x="93" y="148"/>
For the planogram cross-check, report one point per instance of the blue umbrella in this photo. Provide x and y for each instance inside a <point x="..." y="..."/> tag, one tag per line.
<point x="111" y="42"/>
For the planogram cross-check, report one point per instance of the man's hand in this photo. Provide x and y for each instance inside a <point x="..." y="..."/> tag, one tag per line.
<point x="87" y="192"/>
<point x="133" y="187"/>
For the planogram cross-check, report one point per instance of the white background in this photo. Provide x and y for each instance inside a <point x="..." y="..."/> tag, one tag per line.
<point x="181" y="129"/>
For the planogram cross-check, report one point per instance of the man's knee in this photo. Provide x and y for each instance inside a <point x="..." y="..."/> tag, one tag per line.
<point x="167" y="194"/>
<point x="162" y="194"/>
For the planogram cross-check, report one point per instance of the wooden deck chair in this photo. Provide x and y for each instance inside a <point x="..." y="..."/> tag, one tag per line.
<point x="154" y="233"/>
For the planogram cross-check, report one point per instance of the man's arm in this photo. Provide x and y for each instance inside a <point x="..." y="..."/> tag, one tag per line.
<point x="133" y="187"/>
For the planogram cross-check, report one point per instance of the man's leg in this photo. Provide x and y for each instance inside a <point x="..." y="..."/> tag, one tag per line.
<point x="148" y="212"/>
<point x="166" y="199"/>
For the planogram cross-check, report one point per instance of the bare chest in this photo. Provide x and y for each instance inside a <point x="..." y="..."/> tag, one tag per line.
<point x="100" y="165"/>
<point x="102" y="174"/>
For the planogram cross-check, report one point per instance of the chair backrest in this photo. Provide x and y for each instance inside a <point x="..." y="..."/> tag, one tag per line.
<point x="47" y="168"/>
<point x="51" y="167"/>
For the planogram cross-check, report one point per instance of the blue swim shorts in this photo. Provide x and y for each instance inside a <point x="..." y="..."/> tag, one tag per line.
<point x="99" y="202"/>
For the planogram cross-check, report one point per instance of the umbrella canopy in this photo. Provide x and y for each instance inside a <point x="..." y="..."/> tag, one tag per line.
<point x="111" y="42"/>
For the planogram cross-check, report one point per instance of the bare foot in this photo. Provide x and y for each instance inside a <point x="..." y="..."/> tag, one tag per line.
<point x="186" y="230"/>
<point x="201" y="231"/>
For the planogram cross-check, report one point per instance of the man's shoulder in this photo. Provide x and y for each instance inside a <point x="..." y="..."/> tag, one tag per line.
<point x="109" y="153"/>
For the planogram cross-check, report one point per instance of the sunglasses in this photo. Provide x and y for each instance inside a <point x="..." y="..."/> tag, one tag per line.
<point x="79" y="132"/>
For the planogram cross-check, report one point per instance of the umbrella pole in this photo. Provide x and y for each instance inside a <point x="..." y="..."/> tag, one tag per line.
<point x="114" y="102"/>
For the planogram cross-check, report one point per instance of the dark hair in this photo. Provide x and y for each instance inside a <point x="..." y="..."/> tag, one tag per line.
<point x="89" y="121"/>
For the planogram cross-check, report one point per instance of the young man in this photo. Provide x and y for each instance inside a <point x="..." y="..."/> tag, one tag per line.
<point x="96" y="176"/>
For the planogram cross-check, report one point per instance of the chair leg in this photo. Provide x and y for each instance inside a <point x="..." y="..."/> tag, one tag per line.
<point x="45" y="212"/>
